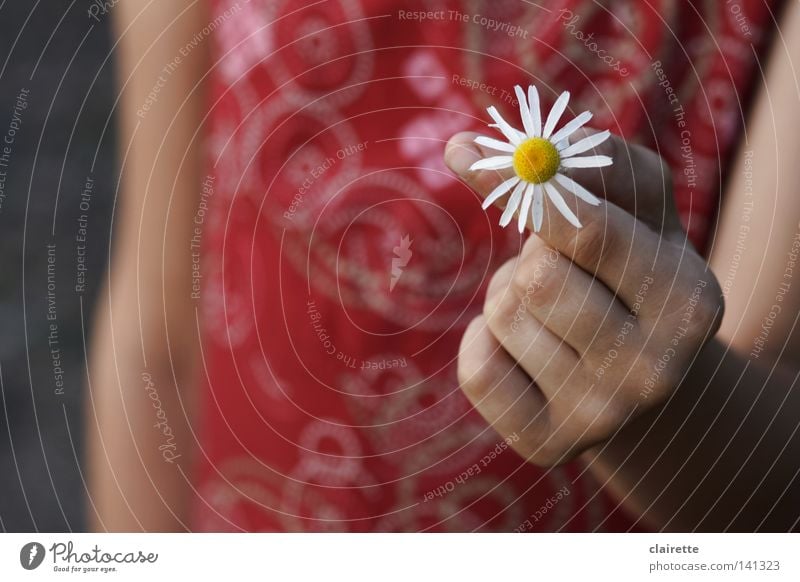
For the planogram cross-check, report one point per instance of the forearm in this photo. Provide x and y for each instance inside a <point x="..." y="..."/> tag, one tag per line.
<point x="139" y="442"/>
<point x="144" y="342"/>
<point x="142" y="393"/>
<point x="723" y="454"/>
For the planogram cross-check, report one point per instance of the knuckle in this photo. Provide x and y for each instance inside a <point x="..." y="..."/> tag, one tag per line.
<point x="710" y="309"/>
<point x="582" y="417"/>
<point x="550" y="447"/>
<point x="701" y="307"/>
<point x="659" y="372"/>
<point x="538" y="279"/>
<point x="499" y="295"/>
<point x="473" y="375"/>
<point x="471" y="379"/>
<point x="545" y="454"/>
<point x="549" y="453"/>
<point x="643" y="364"/>
<point x="474" y="382"/>
<point x="591" y="244"/>
<point x="588" y="416"/>
<point x="600" y="420"/>
<point x="499" y="281"/>
<point x="500" y="309"/>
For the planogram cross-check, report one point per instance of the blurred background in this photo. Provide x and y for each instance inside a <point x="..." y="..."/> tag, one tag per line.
<point x="57" y="193"/>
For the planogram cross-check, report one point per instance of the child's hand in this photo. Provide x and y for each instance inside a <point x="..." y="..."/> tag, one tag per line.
<point x="588" y="327"/>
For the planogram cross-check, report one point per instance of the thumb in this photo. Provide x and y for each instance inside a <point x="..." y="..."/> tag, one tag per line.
<point x="639" y="181"/>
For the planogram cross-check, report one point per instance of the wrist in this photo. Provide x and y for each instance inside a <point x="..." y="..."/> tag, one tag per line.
<point x="654" y="427"/>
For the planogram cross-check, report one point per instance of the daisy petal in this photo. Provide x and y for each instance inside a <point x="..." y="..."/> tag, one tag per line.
<point x="558" y="202"/>
<point x="571" y="127"/>
<point x="533" y="107"/>
<point x="524" y="112"/>
<point x="579" y="191"/>
<point x="526" y="206"/>
<point x="495" y="144"/>
<point x="587" y="162"/>
<point x="512" y="135"/>
<point x="499" y="191"/>
<point x="555" y="114"/>
<point x="494" y="163"/>
<point x="585" y="144"/>
<point x="538" y="207"/>
<point x="513" y="204"/>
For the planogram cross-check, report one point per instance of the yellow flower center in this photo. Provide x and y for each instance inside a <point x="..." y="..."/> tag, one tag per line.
<point x="536" y="160"/>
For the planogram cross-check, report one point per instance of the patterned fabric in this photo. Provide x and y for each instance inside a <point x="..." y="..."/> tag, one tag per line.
<point x="342" y="261"/>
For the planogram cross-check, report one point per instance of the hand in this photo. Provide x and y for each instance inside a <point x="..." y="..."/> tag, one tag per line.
<point x="587" y="328"/>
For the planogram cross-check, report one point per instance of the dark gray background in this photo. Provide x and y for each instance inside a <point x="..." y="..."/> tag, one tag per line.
<point x="57" y="52"/>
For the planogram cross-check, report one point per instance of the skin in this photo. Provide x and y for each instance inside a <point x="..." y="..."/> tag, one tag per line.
<point x="551" y="314"/>
<point x="712" y="446"/>
<point x="707" y="440"/>
<point x="530" y="363"/>
<point x="145" y="322"/>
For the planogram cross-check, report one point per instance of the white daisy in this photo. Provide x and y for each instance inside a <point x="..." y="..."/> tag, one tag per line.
<point x="538" y="155"/>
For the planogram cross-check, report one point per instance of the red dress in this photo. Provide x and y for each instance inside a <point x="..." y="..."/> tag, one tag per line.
<point x="342" y="261"/>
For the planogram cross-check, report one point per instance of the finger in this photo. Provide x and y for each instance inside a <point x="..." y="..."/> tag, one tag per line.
<point x="500" y="390"/>
<point x="574" y="411"/>
<point x="569" y="302"/>
<point x="542" y="354"/>
<point x="461" y="152"/>
<point x="621" y="251"/>
<point x="612" y="244"/>
<point x="639" y="180"/>
<point x="549" y="432"/>
<point x="543" y="432"/>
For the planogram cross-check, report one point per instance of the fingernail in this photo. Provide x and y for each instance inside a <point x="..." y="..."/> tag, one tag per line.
<point x="460" y="155"/>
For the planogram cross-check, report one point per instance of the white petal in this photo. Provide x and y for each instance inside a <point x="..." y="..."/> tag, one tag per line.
<point x="493" y="163"/>
<point x="577" y="189"/>
<point x="526" y="206"/>
<point x="585" y="144"/>
<point x="512" y="135"/>
<point x="495" y="144"/>
<point x="499" y="191"/>
<point x="587" y="162"/>
<point x="555" y="114"/>
<point x="524" y="112"/>
<point x="571" y="127"/>
<point x="558" y="201"/>
<point x="536" y="114"/>
<point x="513" y="204"/>
<point x="538" y="208"/>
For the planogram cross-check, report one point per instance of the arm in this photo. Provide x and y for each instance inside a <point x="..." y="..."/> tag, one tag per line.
<point x="139" y="407"/>
<point x="683" y="425"/>
<point x="735" y="461"/>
